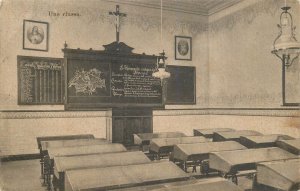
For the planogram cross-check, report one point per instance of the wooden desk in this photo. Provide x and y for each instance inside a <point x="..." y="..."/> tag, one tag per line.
<point x="261" y="141"/>
<point x="63" y="137"/>
<point x="123" y="176"/>
<point x="292" y="146"/>
<point x="230" y="163"/>
<point x="199" y="152"/>
<point x="73" y="151"/>
<point x="163" y="146"/>
<point x="282" y="175"/>
<point x="208" y="133"/>
<point x="233" y="135"/>
<point x="207" y="184"/>
<point x="143" y="139"/>
<point x="52" y="138"/>
<point x="71" y="143"/>
<point x="62" y="164"/>
<point x="84" y="150"/>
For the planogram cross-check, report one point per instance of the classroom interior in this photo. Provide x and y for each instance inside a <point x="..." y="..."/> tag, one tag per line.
<point x="226" y="118"/>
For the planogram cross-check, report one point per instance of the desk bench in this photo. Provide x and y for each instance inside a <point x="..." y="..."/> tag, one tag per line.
<point x="65" y="163"/>
<point x="197" y="154"/>
<point x="123" y="176"/>
<point x="161" y="147"/>
<point x="232" y="163"/>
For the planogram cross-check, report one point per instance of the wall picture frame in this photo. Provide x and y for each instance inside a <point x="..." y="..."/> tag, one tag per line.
<point x="35" y="35"/>
<point x="183" y="48"/>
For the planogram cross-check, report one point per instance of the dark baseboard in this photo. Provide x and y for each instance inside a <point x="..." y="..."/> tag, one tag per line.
<point x="19" y="157"/>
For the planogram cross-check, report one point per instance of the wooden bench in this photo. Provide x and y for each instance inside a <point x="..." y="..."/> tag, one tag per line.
<point x="161" y="147"/>
<point x="62" y="164"/>
<point x="108" y="178"/>
<point x="231" y="164"/>
<point x="197" y="154"/>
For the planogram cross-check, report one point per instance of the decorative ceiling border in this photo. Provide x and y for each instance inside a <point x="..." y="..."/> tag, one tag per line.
<point x="143" y="22"/>
<point x="246" y="15"/>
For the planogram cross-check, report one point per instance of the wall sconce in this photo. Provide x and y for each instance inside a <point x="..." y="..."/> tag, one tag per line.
<point x="285" y="45"/>
<point x="160" y="71"/>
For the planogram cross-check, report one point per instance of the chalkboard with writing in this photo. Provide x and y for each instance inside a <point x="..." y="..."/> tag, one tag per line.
<point x="181" y="86"/>
<point x="133" y="83"/>
<point x="98" y="79"/>
<point x="40" y="80"/>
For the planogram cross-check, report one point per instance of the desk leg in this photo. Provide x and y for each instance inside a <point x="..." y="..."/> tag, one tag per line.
<point x="234" y="179"/>
<point x="185" y="166"/>
<point x="42" y="168"/>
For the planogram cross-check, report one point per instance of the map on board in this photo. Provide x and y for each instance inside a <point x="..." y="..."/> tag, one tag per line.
<point x="87" y="82"/>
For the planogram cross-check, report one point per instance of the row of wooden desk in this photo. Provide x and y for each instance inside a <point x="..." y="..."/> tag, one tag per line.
<point x="230" y="153"/>
<point x="95" y="164"/>
<point x="86" y="164"/>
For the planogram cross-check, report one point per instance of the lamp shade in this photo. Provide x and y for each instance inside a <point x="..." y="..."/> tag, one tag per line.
<point x="161" y="73"/>
<point x="286" y="46"/>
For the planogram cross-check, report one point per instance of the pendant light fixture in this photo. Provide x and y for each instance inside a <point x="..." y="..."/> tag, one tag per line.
<point x="286" y="46"/>
<point x="160" y="71"/>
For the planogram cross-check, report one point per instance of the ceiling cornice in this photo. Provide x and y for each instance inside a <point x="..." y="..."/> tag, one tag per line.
<point x="182" y="9"/>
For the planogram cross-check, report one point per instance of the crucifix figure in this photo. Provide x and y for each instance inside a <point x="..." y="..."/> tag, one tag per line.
<point x="117" y="15"/>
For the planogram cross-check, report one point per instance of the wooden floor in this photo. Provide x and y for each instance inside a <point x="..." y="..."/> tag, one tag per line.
<point x="20" y="175"/>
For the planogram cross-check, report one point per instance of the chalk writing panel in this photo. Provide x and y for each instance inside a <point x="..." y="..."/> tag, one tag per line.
<point x="181" y="85"/>
<point x="40" y="80"/>
<point x="133" y="83"/>
<point x="96" y="83"/>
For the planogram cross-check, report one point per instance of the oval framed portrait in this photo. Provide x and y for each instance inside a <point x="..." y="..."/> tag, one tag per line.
<point x="35" y="35"/>
<point x="183" y="48"/>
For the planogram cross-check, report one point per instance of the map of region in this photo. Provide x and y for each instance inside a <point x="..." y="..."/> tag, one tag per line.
<point x="87" y="82"/>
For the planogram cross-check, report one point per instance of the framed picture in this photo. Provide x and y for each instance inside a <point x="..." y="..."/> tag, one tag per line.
<point x="183" y="48"/>
<point x="35" y="35"/>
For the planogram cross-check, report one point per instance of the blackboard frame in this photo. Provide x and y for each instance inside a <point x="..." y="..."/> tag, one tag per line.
<point x="112" y="59"/>
<point x="189" y="96"/>
<point x="48" y="60"/>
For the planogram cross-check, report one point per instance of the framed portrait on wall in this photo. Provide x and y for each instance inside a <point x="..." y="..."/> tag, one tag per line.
<point x="183" y="48"/>
<point x="35" y="35"/>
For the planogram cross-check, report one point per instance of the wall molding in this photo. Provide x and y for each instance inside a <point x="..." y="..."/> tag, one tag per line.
<point x="272" y="112"/>
<point x="51" y="114"/>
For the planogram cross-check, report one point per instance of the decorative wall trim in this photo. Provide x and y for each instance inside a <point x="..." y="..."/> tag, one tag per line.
<point x="272" y="112"/>
<point x="146" y="22"/>
<point x="246" y="15"/>
<point x="50" y="114"/>
<point x="276" y="112"/>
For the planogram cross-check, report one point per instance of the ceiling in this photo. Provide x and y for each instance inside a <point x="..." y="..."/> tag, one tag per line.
<point x="198" y="7"/>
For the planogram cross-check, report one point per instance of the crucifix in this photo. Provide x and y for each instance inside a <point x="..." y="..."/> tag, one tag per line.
<point x="117" y="15"/>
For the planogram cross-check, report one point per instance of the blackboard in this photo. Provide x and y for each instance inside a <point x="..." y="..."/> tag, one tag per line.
<point x="181" y="86"/>
<point x="40" y="80"/>
<point x="94" y="83"/>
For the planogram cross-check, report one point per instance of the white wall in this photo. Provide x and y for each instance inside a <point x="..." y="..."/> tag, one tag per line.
<point x="92" y="29"/>
<point x="234" y="67"/>
<point x="242" y="70"/>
